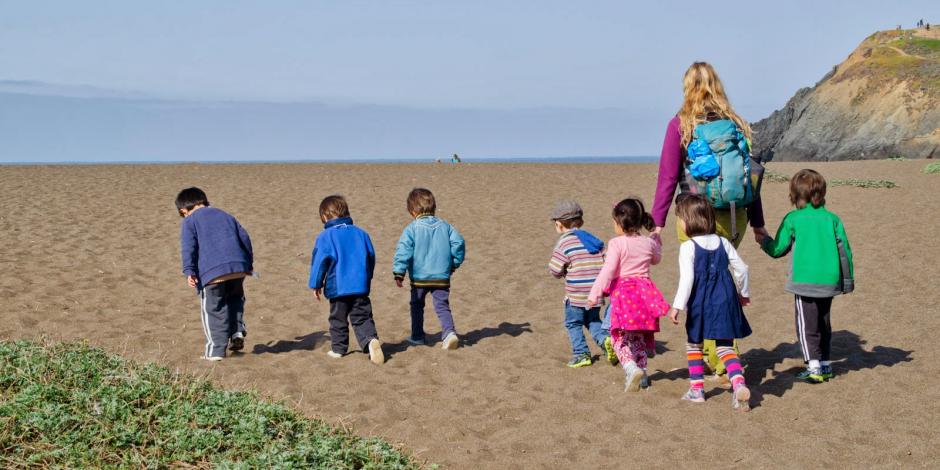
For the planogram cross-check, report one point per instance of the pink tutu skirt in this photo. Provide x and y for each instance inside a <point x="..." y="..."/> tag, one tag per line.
<point x="636" y="304"/>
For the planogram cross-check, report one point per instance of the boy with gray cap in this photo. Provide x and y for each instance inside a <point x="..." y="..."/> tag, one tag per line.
<point x="578" y="257"/>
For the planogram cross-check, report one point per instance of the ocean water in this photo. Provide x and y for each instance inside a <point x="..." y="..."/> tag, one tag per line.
<point x="373" y="161"/>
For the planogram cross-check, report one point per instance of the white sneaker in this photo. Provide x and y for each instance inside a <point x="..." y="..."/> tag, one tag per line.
<point x="634" y="375"/>
<point x="334" y="354"/>
<point x="450" y="341"/>
<point x="375" y="351"/>
<point x="213" y="358"/>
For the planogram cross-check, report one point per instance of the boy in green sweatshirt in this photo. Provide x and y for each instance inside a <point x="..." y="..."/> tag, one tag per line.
<point x="822" y="268"/>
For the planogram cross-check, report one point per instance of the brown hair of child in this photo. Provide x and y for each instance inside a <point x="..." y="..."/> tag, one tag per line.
<point x="807" y="187"/>
<point x="696" y="213"/>
<point x="569" y="224"/>
<point x="333" y="207"/>
<point x="421" y="202"/>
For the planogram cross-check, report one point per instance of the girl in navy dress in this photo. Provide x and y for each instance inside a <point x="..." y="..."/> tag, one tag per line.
<point x="713" y="286"/>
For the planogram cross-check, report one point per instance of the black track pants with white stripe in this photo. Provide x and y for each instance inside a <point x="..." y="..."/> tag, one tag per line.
<point x="813" y="329"/>
<point x="223" y="309"/>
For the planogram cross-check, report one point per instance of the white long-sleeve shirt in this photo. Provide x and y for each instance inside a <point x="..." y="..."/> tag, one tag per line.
<point x="687" y="267"/>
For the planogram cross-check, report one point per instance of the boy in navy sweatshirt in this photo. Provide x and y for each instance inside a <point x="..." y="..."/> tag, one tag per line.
<point x="341" y="269"/>
<point x="217" y="256"/>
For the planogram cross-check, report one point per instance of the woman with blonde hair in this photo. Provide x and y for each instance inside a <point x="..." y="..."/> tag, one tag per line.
<point x="704" y="101"/>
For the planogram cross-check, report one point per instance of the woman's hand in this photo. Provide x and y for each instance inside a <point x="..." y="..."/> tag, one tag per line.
<point x="760" y="233"/>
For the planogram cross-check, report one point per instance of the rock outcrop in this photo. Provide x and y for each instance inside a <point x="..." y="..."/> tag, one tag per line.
<point x="881" y="102"/>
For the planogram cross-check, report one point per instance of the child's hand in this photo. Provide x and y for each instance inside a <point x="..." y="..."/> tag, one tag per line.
<point x="760" y="234"/>
<point x="193" y="281"/>
<point x="745" y="301"/>
<point x="398" y="283"/>
<point x="316" y="293"/>
<point x="592" y="303"/>
<point x="674" y="315"/>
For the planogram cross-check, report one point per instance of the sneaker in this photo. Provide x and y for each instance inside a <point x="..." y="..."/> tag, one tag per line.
<point x="651" y="353"/>
<point x="213" y="358"/>
<point x="450" y="341"/>
<point x="740" y="399"/>
<point x="334" y="354"/>
<point x="609" y="349"/>
<point x="580" y="360"/>
<point x="236" y="342"/>
<point x="416" y="342"/>
<point x="812" y="375"/>
<point x="826" y="372"/>
<point x="694" y="395"/>
<point x="375" y="351"/>
<point x="634" y="375"/>
<point x="645" y="380"/>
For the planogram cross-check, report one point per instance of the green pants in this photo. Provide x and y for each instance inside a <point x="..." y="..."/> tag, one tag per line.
<point x="723" y="229"/>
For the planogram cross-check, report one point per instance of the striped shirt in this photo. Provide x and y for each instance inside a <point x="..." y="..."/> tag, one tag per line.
<point x="578" y="266"/>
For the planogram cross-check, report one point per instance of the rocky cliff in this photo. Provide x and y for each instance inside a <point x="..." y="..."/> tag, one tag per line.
<point x="881" y="102"/>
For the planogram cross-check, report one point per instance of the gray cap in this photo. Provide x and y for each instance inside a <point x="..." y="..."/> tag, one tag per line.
<point x="566" y="210"/>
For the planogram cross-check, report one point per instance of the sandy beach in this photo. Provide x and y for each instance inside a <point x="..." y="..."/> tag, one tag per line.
<point x="92" y="252"/>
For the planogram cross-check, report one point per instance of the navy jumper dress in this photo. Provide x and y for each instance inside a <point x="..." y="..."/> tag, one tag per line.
<point x="714" y="311"/>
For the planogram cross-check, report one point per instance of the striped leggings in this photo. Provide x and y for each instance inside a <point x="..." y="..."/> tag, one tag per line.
<point x="728" y="357"/>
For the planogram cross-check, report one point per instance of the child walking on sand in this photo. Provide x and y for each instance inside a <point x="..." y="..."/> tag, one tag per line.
<point x="429" y="250"/>
<point x="578" y="257"/>
<point x="217" y="256"/>
<point x="636" y="304"/>
<point x="822" y="268"/>
<point x="341" y="269"/>
<point x="711" y="297"/>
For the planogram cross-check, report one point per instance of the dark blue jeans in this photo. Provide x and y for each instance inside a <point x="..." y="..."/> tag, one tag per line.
<point x="576" y="318"/>
<point x="440" y="296"/>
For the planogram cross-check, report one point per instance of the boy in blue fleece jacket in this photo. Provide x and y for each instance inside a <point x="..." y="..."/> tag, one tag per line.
<point x="217" y="256"/>
<point x="430" y="250"/>
<point x="341" y="269"/>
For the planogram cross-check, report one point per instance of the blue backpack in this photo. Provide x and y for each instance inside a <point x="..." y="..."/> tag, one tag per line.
<point x="719" y="166"/>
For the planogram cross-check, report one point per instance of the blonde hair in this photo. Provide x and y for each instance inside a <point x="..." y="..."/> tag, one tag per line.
<point x="704" y="95"/>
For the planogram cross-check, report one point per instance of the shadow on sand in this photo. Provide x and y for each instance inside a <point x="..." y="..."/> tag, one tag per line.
<point x="467" y="339"/>
<point x="847" y="352"/>
<point x="300" y="343"/>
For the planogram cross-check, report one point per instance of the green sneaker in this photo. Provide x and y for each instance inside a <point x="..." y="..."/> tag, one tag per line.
<point x="813" y="376"/>
<point x="609" y="348"/>
<point x="580" y="360"/>
<point x="827" y="372"/>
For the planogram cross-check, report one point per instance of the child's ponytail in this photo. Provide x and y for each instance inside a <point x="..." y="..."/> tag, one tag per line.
<point x="631" y="216"/>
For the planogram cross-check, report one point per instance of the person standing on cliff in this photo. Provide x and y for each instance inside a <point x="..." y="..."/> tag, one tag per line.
<point x="704" y="100"/>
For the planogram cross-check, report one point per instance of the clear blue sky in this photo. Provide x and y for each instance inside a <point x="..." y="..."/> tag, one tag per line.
<point x="479" y="54"/>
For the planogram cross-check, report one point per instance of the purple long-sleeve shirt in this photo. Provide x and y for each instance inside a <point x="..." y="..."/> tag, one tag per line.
<point x="670" y="170"/>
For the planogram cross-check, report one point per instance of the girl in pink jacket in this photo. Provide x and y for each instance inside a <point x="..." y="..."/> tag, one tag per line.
<point x="636" y="304"/>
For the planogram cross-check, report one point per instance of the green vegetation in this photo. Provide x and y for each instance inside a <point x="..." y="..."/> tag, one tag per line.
<point x="774" y="177"/>
<point x="932" y="168"/>
<point x="927" y="47"/>
<point x="71" y="406"/>
<point x="866" y="183"/>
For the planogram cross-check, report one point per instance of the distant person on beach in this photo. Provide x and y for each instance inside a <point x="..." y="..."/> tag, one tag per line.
<point x="341" y="269"/>
<point x="711" y="297"/>
<point x="821" y="268"/>
<point x="455" y="159"/>
<point x="217" y="256"/>
<point x="704" y="102"/>
<point x="578" y="257"/>
<point x="429" y="251"/>
<point x="636" y="304"/>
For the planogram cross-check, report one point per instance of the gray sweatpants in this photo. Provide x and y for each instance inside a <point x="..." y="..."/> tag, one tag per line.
<point x="222" y="313"/>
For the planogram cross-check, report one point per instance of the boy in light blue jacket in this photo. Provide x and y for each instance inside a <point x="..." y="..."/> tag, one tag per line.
<point x="429" y="250"/>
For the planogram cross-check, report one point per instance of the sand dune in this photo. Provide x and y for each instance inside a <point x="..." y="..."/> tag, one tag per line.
<point x="91" y="252"/>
